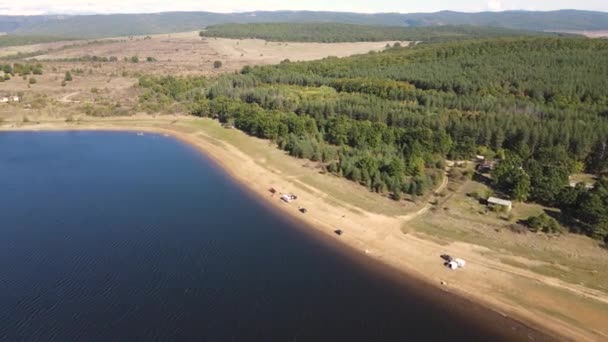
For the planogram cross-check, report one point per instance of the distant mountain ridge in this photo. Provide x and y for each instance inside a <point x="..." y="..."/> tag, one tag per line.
<point x="98" y="26"/>
<point x="524" y="20"/>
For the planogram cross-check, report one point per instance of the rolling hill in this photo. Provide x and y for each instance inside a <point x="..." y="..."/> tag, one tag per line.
<point x="98" y="26"/>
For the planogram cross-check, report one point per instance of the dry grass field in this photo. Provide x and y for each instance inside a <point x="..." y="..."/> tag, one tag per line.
<point x="188" y="54"/>
<point x="175" y="54"/>
<point x="590" y="34"/>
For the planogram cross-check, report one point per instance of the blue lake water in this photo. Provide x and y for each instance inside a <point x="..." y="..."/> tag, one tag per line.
<point x="109" y="236"/>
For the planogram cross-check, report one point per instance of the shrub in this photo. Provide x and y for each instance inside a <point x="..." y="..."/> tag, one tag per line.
<point x="397" y="194"/>
<point x="134" y="59"/>
<point x="488" y="193"/>
<point x="217" y="64"/>
<point x="544" y="223"/>
<point x="552" y="227"/>
<point x="475" y="195"/>
<point x="68" y="76"/>
<point x="467" y="174"/>
<point x="32" y="80"/>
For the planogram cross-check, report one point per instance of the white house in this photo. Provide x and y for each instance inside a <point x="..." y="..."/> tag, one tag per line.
<point x="4" y="99"/>
<point x="494" y="202"/>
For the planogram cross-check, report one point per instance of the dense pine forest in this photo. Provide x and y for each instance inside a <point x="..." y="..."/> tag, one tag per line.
<point x="335" y="32"/>
<point x="389" y="120"/>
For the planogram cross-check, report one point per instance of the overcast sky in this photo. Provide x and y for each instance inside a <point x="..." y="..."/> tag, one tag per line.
<point x="368" y="6"/>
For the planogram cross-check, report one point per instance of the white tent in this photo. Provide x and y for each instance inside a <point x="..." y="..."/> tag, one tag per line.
<point x="460" y="262"/>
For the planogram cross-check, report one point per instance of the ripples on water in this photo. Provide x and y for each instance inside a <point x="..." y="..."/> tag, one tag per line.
<point x="118" y="237"/>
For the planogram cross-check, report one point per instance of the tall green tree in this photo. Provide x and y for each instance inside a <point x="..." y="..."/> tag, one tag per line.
<point x="511" y="178"/>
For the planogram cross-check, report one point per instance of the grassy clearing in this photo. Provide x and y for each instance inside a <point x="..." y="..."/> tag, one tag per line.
<point x="583" y="178"/>
<point x="561" y="264"/>
<point x="571" y="258"/>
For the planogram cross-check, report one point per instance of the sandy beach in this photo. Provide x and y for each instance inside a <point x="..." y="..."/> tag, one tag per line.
<point x="377" y="236"/>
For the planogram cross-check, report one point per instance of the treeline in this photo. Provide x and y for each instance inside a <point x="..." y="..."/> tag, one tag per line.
<point x="32" y="54"/>
<point x="388" y="120"/>
<point x="19" y="40"/>
<point x="88" y="58"/>
<point x="20" y="69"/>
<point x="336" y="32"/>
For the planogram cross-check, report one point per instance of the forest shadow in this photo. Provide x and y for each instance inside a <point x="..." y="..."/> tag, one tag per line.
<point x="483" y="179"/>
<point x="572" y="225"/>
<point x="564" y="221"/>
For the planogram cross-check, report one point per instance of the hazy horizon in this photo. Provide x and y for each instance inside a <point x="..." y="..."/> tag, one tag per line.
<point x="39" y="7"/>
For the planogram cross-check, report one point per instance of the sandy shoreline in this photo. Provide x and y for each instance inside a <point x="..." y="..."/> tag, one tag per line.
<point x="367" y="235"/>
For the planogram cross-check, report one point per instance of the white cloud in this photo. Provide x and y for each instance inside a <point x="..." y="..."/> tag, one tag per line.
<point x="495" y="5"/>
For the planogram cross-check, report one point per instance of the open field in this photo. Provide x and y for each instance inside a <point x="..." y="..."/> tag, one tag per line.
<point x="188" y="54"/>
<point x="175" y="54"/>
<point x="521" y="275"/>
<point x="591" y="34"/>
<point x="50" y="46"/>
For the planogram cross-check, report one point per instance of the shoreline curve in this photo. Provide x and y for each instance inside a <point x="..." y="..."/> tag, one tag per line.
<point x="319" y="230"/>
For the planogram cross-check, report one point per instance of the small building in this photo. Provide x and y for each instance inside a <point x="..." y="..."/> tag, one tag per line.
<point x="498" y="203"/>
<point x="4" y="99"/>
<point x="588" y="186"/>
<point x="480" y="158"/>
<point x="15" y="98"/>
<point x="486" y="166"/>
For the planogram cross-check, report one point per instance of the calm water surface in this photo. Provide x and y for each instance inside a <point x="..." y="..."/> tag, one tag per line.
<point x="118" y="237"/>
